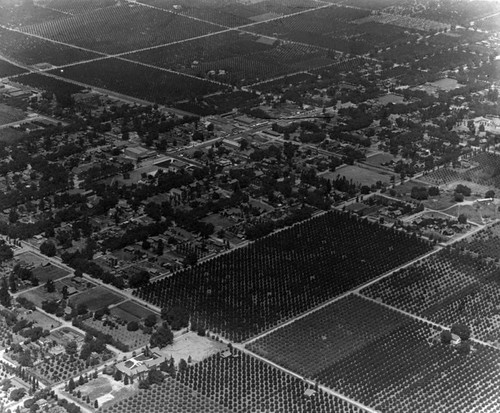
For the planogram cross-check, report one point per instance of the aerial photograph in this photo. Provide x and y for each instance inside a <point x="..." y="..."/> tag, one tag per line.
<point x="250" y="206"/>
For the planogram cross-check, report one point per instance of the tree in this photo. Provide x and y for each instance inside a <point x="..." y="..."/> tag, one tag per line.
<point x="125" y="380"/>
<point x="5" y="298"/>
<point x="446" y="336"/>
<point x="64" y="292"/>
<point x="71" y="348"/>
<point x="434" y="191"/>
<point x="182" y="365"/>
<point x="12" y="282"/>
<point x="50" y="287"/>
<point x="155" y="377"/>
<point x="96" y="404"/>
<point x="490" y="194"/>
<point x="118" y="375"/>
<point x="190" y="259"/>
<point x="48" y="248"/>
<point x="5" y="252"/>
<point x="150" y="320"/>
<point x="139" y="279"/>
<point x="13" y="215"/>
<point x="177" y="317"/>
<point x="461" y="330"/>
<point x="462" y="189"/>
<point x="462" y="219"/>
<point x="132" y="326"/>
<point x="162" y="337"/>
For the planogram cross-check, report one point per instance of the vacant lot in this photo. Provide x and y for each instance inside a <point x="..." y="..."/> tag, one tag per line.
<point x="96" y="298"/>
<point x="42" y="320"/>
<point x="49" y="272"/>
<point x="38" y="295"/>
<point x="31" y="258"/>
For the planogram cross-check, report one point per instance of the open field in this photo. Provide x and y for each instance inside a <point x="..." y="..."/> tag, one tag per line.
<point x="42" y="320"/>
<point x="194" y="346"/>
<point x="49" y="272"/>
<point x="360" y="175"/>
<point x="38" y="295"/>
<point x="130" y="311"/>
<point x="96" y="298"/>
<point x="139" y="81"/>
<point x="479" y="215"/>
<point x="251" y="289"/>
<point x="121" y="28"/>
<point x="29" y="258"/>
<point x="9" y="114"/>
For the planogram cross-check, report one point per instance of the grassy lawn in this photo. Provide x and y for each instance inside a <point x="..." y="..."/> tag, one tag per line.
<point x="106" y="389"/>
<point x="96" y="298"/>
<point x="218" y="221"/>
<point x="130" y="311"/>
<point x="363" y="176"/>
<point x="380" y="158"/>
<point x="31" y="258"/>
<point x="50" y="272"/>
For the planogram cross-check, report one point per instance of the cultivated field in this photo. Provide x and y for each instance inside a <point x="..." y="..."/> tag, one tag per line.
<point x="233" y="13"/>
<point x="235" y="58"/>
<point x="31" y="50"/>
<point x="328" y="335"/>
<point x="139" y="81"/>
<point x="238" y="383"/>
<point x="252" y="289"/>
<point x="9" y="114"/>
<point x="384" y="359"/>
<point x="120" y="29"/>
<point x="130" y="311"/>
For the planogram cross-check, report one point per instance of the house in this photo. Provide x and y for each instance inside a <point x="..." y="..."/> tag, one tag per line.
<point x="138" y="366"/>
<point x="309" y="393"/>
<point x="455" y="339"/>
